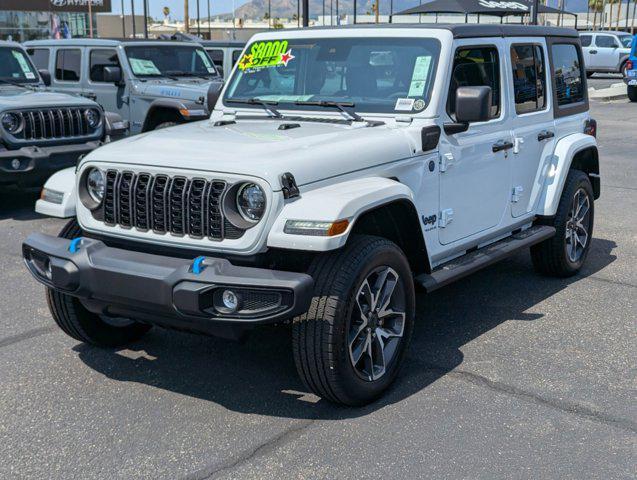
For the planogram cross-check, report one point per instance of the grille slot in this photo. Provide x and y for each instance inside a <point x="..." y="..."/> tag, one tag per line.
<point x="175" y="205"/>
<point x="53" y="123"/>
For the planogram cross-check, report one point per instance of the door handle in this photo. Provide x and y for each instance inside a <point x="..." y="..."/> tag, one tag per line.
<point x="501" y="145"/>
<point x="545" y="135"/>
<point x="593" y="52"/>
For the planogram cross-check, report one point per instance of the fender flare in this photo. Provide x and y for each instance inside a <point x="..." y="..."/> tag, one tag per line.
<point x="558" y="169"/>
<point x="187" y="110"/>
<point x="345" y="200"/>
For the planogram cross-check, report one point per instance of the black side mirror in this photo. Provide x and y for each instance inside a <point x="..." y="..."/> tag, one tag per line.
<point x="46" y="77"/>
<point x="113" y="75"/>
<point x="473" y="104"/>
<point x="213" y="94"/>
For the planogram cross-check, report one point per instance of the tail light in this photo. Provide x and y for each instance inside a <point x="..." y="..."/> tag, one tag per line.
<point x="590" y="127"/>
<point x="629" y="64"/>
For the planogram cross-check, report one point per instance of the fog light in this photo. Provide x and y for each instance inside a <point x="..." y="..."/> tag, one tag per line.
<point x="230" y="300"/>
<point x="15" y="164"/>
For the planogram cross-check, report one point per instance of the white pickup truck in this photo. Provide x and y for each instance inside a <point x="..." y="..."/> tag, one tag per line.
<point x="341" y="168"/>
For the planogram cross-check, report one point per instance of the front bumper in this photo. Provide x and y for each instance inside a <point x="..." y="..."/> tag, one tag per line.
<point x="162" y="290"/>
<point x="39" y="163"/>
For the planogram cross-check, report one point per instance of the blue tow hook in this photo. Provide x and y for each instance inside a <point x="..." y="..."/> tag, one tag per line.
<point x="75" y="245"/>
<point x="198" y="266"/>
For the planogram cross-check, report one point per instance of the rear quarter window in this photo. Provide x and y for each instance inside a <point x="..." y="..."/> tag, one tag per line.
<point x="567" y="74"/>
<point x="39" y="57"/>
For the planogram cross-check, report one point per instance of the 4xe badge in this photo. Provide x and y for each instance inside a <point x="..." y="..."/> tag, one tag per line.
<point x="266" y="54"/>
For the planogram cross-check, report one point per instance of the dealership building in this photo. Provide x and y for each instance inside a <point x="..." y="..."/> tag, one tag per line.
<point x="22" y="20"/>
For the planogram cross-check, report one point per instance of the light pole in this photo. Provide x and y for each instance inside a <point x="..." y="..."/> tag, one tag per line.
<point x="145" y="19"/>
<point x="186" y="17"/>
<point x="90" y="18"/>
<point x="132" y="12"/>
<point x="198" y="21"/>
<point x="123" y="21"/>
<point x="209" y="29"/>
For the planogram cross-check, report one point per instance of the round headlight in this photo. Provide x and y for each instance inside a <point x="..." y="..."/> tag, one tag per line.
<point x="11" y="122"/>
<point x="96" y="184"/>
<point x="93" y="117"/>
<point x="251" y="202"/>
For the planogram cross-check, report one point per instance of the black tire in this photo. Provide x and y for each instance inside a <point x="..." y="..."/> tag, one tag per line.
<point x="622" y="69"/>
<point x="164" y="125"/>
<point x="78" y="323"/>
<point x="551" y="257"/>
<point x="632" y="93"/>
<point x="320" y="337"/>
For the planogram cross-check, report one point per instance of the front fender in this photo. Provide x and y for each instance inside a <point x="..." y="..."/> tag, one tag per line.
<point x="186" y="109"/>
<point x="558" y="169"/>
<point x="62" y="182"/>
<point x="346" y="200"/>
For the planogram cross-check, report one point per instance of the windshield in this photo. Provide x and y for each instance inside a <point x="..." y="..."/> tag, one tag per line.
<point x="374" y="74"/>
<point x="16" y="67"/>
<point x="626" y="40"/>
<point x="170" y="61"/>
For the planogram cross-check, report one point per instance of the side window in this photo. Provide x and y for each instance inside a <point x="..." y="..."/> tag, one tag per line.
<point x="39" y="57"/>
<point x="605" y="41"/>
<point x="586" y="40"/>
<point x="529" y="78"/>
<point x="568" y="74"/>
<point x="475" y="67"/>
<point x="99" y="59"/>
<point x="67" y="65"/>
<point x="236" y="54"/>
<point x="217" y="57"/>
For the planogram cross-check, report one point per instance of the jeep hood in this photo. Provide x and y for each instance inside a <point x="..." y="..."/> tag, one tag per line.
<point x="186" y="89"/>
<point x="311" y="152"/>
<point x="12" y="98"/>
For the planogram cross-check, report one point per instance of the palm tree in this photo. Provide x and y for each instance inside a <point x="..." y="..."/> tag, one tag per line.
<point x="596" y="6"/>
<point x="619" y="12"/>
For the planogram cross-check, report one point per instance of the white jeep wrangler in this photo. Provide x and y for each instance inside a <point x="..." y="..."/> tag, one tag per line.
<point x="340" y="169"/>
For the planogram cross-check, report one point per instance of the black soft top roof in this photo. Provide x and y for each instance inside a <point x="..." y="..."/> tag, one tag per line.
<point x="468" y="30"/>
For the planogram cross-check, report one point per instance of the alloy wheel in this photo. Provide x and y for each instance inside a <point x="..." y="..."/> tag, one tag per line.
<point x="377" y="323"/>
<point x="578" y="226"/>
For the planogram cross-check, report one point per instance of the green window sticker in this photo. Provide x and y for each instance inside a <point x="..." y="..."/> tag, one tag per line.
<point x="266" y="54"/>
<point x="419" y="76"/>
<point x="143" y="67"/>
<point x="24" y="65"/>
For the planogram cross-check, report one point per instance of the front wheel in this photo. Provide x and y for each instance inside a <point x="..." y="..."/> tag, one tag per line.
<point x="565" y="253"/>
<point x="632" y="93"/>
<point x="77" y="322"/>
<point x="349" y="346"/>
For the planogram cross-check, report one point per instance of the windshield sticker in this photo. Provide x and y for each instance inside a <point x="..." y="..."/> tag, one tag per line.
<point x="206" y="61"/>
<point x="23" y="64"/>
<point x="419" y="104"/>
<point x="404" y="105"/>
<point x="266" y="54"/>
<point x="143" y="67"/>
<point x="419" y="77"/>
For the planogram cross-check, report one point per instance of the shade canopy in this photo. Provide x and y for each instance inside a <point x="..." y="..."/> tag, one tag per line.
<point x="483" y="7"/>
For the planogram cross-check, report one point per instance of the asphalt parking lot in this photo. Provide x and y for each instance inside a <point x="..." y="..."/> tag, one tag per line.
<point x="510" y="375"/>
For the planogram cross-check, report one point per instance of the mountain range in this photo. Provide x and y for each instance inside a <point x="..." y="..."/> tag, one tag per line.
<point x="256" y="9"/>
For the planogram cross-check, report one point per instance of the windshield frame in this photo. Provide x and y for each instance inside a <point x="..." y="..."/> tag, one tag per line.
<point x="437" y="47"/>
<point x="34" y="71"/>
<point x="194" y="47"/>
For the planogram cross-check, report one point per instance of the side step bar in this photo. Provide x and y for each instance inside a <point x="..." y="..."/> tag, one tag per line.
<point x="483" y="257"/>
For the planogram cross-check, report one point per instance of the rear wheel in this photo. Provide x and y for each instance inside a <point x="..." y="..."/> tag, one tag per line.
<point x="77" y="322"/>
<point x="632" y="93"/>
<point x="565" y="253"/>
<point x="349" y="346"/>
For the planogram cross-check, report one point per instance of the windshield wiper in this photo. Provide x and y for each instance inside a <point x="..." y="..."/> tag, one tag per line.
<point x="338" y="105"/>
<point x="15" y="84"/>
<point x="256" y="101"/>
<point x="179" y="73"/>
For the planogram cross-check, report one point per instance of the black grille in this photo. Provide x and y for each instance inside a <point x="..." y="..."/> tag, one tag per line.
<point x="176" y="205"/>
<point x="53" y="123"/>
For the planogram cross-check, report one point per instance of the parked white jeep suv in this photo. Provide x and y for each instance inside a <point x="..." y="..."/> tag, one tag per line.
<point x="340" y="169"/>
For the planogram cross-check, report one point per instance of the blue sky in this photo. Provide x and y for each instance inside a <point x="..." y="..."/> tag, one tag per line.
<point x="176" y="7"/>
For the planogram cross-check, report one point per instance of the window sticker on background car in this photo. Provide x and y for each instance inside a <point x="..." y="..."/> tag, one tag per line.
<point x="23" y="64"/>
<point x="143" y="67"/>
<point x="419" y="76"/>
<point x="206" y="61"/>
<point x="266" y="54"/>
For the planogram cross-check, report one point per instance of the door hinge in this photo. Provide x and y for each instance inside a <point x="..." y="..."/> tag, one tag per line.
<point x="516" y="194"/>
<point x="446" y="217"/>
<point x="445" y="161"/>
